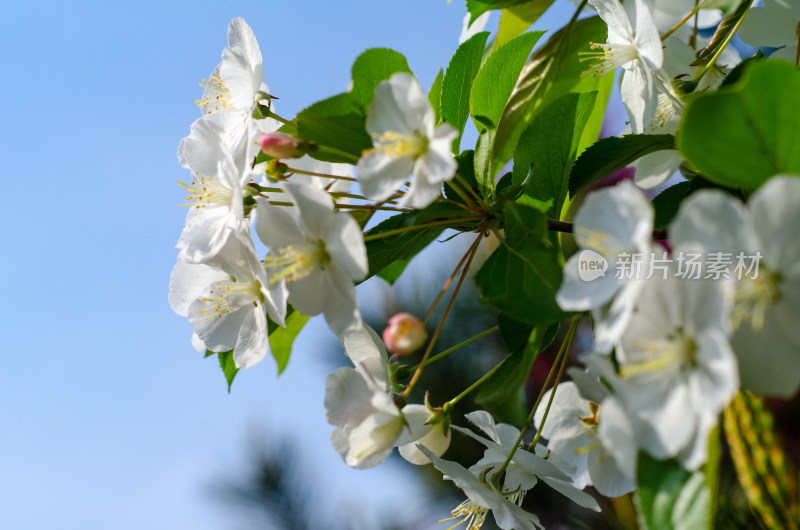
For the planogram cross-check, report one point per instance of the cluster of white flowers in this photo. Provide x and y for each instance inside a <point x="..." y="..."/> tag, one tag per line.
<point x="316" y="253"/>
<point x="670" y="350"/>
<point x="649" y="66"/>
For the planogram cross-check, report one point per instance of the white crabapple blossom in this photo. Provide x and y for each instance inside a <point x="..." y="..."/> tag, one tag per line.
<point x="482" y="498"/>
<point x="676" y="371"/>
<point x="406" y="142"/>
<point x="775" y="24"/>
<point x="573" y="442"/>
<point x="525" y="467"/>
<point x="359" y="403"/>
<point x="653" y="169"/>
<point x="227" y="301"/>
<point x="762" y="242"/>
<point x="613" y="224"/>
<point x="523" y="472"/>
<point x="216" y="193"/>
<point x="235" y="88"/>
<point x="634" y="44"/>
<point x="318" y="253"/>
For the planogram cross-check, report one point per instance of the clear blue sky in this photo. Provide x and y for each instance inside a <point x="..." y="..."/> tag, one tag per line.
<point x="109" y="418"/>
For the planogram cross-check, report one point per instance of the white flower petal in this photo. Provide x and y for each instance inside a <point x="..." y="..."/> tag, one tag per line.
<point x="654" y="169"/>
<point x="380" y="174"/>
<point x="714" y="220"/>
<point x="576" y="294"/>
<point x="399" y="106"/>
<point x="188" y="282"/>
<point x="252" y="344"/>
<point x="776" y="219"/>
<point x="345" y="244"/>
<point x="315" y="206"/>
<point x="276" y="228"/>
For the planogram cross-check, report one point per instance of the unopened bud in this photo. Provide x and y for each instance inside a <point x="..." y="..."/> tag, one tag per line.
<point x="405" y="334"/>
<point x="282" y="145"/>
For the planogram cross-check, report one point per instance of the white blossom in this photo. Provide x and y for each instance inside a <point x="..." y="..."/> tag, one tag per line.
<point x="775" y="24"/>
<point x="235" y="88"/>
<point x="359" y="403"/>
<point x="407" y="143"/>
<point x="613" y="224"/>
<point x="318" y="253"/>
<point x="227" y="300"/>
<point x="767" y="303"/>
<point x="573" y="442"/>
<point x="634" y="44"/>
<point x="215" y="195"/>
<point x="677" y="371"/>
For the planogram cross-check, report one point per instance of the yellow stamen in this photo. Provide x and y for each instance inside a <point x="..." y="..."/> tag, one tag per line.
<point x="217" y="96"/>
<point x="753" y="296"/>
<point x="654" y="356"/>
<point x="204" y="191"/>
<point x="396" y="144"/>
<point x="609" y="59"/>
<point x="295" y="262"/>
<point x="230" y="295"/>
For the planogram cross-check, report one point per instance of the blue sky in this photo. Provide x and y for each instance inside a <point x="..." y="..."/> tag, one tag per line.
<point x="109" y="418"/>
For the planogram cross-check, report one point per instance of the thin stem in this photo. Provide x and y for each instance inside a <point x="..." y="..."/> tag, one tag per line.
<point x="473" y="386"/>
<point x="444" y="288"/>
<point x="721" y="49"/>
<point x="683" y="21"/>
<point x="326" y="175"/>
<point x="568" y="339"/>
<point x="577" y="12"/>
<point x="465" y="184"/>
<point x="436" y="333"/>
<point x="460" y="345"/>
<point x="281" y="119"/>
<point x="562" y="352"/>
<point x="396" y="231"/>
<point x="797" y="53"/>
<point x="693" y="38"/>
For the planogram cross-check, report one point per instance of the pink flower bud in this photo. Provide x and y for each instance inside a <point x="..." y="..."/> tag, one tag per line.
<point x="405" y="334"/>
<point x="282" y="145"/>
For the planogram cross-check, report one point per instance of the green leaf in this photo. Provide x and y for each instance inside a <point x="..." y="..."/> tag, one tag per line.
<point x="457" y="83"/>
<point x="435" y="97"/>
<point x="553" y="70"/>
<point x="478" y="7"/>
<point x="337" y="126"/>
<point x="281" y="339"/>
<point x="522" y="276"/>
<point x="610" y="154"/>
<point x="465" y="170"/>
<point x="602" y="85"/>
<point x="372" y="67"/>
<point x="738" y="70"/>
<point x="669" y="497"/>
<point x="550" y="143"/>
<point x="497" y="77"/>
<point x="667" y="202"/>
<point x="741" y="135"/>
<point x="398" y="249"/>
<point x="484" y="166"/>
<point x="228" y="367"/>
<point x="516" y="19"/>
